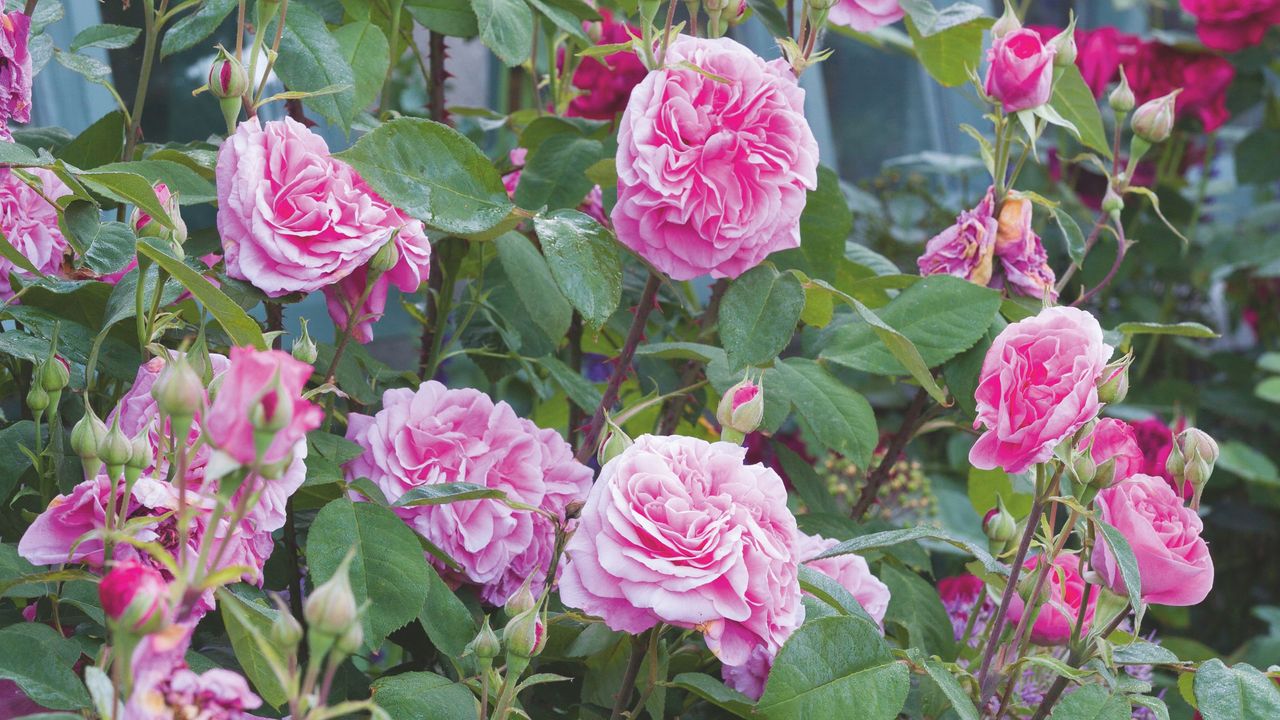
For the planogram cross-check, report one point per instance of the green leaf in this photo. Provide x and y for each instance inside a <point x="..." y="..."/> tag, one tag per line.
<point x="555" y="173"/>
<point x="714" y="692"/>
<point x="940" y="315"/>
<point x="1252" y="156"/>
<point x="951" y="55"/>
<point x="189" y="186"/>
<point x="445" y="493"/>
<point x="19" y="434"/>
<point x="824" y="588"/>
<point x="1092" y="702"/>
<point x="366" y="50"/>
<point x="506" y="28"/>
<point x="196" y="26"/>
<point x="127" y="187"/>
<point x="248" y="625"/>
<point x="91" y="69"/>
<point x="825" y="224"/>
<point x="1143" y="652"/>
<point x="532" y="282"/>
<point x="769" y="14"/>
<point x="835" y="662"/>
<point x="839" y="418"/>
<point x="424" y="696"/>
<point x="388" y="568"/>
<point x="1182" y="329"/>
<point x="914" y="606"/>
<point x="887" y="538"/>
<point x="13" y="255"/>
<point x="680" y="351"/>
<point x="1269" y="389"/>
<point x="311" y="59"/>
<point x="584" y="261"/>
<point x="562" y="18"/>
<point x="11" y="153"/>
<point x="448" y="17"/>
<point x="576" y="387"/>
<point x="111" y="37"/>
<point x="1246" y="462"/>
<point x="432" y="172"/>
<point x="951" y="688"/>
<point x="1071" y="234"/>
<point x="1074" y="101"/>
<point x="931" y="21"/>
<point x="34" y="657"/>
<point x="447" y="621"/>
<point x="758" y="315"/>
<point x="241" y="328"/>
<point x="99" y="144"/>
<point x="811" y="488"/>
<point x="111" y="248"/>
<point x="986" y="485"/>
<point x="1127" y="563"/>
<point x="121" y="303"/>
<point x="1235" y="693"/>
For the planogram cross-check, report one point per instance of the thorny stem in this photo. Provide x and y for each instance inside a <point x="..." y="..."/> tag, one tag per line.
<point x="275" y="49"/>
<point x="1122" y="246"/>
<point x="396" y="8"/>
<point x="666" y="32"/>
<point x="628" y="684"/>
<point x="878" y="477"/>
<point x="647" y="301"/>
<point x="1074" y="660"/>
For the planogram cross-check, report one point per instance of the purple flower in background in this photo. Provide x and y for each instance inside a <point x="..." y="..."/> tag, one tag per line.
<point x="15" y="71"/>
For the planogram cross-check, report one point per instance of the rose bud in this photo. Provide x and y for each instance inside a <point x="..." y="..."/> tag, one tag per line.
<point x="331" y="609"/>
<point x="115" y="449"/>
<point x="1000" y="527"/>
<point x="178" y="391"/>
<point x="1064" y="45"/>
<point x="612" y="442"/>
<point x="55" y="374"/>
<point x="145" y="226"/>
<point x="1121" y="99"/>
<point x="1084" y="468"/>
<point x="521" y="600"/>
<point x="135" y="598"/>
<point x="86" y="436"/>
<point x="1112" y="202"/>
<point x="141" y="456"/>
<point x="486" y="646"/>
<point x="1020" y="71"/>
<point x="304" y="348"/>
<point x="1153" y="120"/>
<point x="740" y="410"/>
<point x="1191" y="460"/>
<point x="526" y="634"/>
<point x="227" y="78"/>
<point x="1113" y="384"/>
<point x="1006" y="23"/>
<point x="286" y="631"/>
<point x="350" y="642"/>
<point x="37" y="400"/>
<point x="387" y="257"/>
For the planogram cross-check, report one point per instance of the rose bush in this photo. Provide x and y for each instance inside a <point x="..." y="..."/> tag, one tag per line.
<point x="672" y="431"/>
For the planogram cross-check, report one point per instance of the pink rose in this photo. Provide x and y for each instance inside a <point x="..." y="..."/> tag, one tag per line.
<point x="750" y="677"/>
<point x="1021" y="253"/>
<point x="135" y="594"/>
<point x="30" y="223"/>
<point x="1099" y="53"/>
<point x="1231" y="25"/>
<point x="865" y="15"/>
<point x="436" y="435"/>
<point x="606" y="83"/>
<point x="164" y="687"/>
<point x="1060" y="601"/>
<point x="678" y="530"/>
<point x="964" y="250"/>
<point x="292" y="218"/>
<point x="850" y="571"/>
<point x="713" y="166"/>
<point x="1020" y="70"/>
<point x="261" y="388"/>
<point x="1038" y="385"/>
<point x="1173" y="560"/>
<point x="15" y="71"/>
<point x="959" y="595"/>
<point x="1112" y="438"/>
<point x="1156" y="440"/>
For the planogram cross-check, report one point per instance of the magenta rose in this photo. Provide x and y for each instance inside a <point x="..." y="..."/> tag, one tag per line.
<point x="713" y="166"/>
<point x="605" y="84"/>
<point x="865" y="15"/>
<point x="964" y="250"/>
<point x="1038" y="385"/>
<point x="261" y="393"/>
<point x="1203" y="77"/>
<point x="30" y="224"/>
<point x="1173" y="560"/>
<point x="1231" y="25"/>
<point x="1060" y="601"/>
<point x="292" y="218"/>
<point x="1019" y="70"/>
<point x="15" y="71"/>
<point x="436" y="435"/>
<point x="959" y="595"/>
<point x="1112" y="438"/>
<point x="678" y="530"/>
<point x="135" y="595"/>
<point x="1021" y="252"/>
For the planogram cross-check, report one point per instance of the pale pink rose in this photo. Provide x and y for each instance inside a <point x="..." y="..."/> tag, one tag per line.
<point x="1231" y="25"/>
<point x="1059" y="601"/>
<point x="292" y="218"/>
<point x="713" y="166"/>
<point x="164" y="688"/>
<point x="1112" y="438"/>
<point x="30" y="224"/>
<point x="15" y="71"/>
<point x="436" y="435"/>
<point x="1038" y="385"/>
<point x="68" y="518"/>
<point x="680" y="531"/>
<point x="865" y="15"/>
<point x="1173" y="560"/>
<point x="964" y="250"/>
<point x="268" y="383"/>
<point x="1019" y="70"/>
<point x="1021" y="253"/>
<point x="850" y="571"/>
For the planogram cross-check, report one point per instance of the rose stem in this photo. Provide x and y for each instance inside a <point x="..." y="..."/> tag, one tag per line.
<point x="878" y="477"/>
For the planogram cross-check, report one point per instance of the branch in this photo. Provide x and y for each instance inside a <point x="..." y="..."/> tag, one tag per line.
<point x="878" y="477"/>
<point x="1122" y="246"/>
<point x="1075" y="661"/>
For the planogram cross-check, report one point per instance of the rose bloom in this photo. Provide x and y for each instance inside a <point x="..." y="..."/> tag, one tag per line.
<point x="865" y="15"/>
<point x="678" y="530"/>
<point x="292" y="218"/>
<point x="713" y="166"/>
<point x="1173" y="560"/>
<point x="30" y="224"/>
<point x="436" y="435"/>
<point x="959" y="595"/>
<point x="1060" y="601"/>
<point x="605" y="83"/>
<point x="15" y="71"/>
<point x="164" y="687"/>
<point x="1019" y="70"/>
<point x="1112" y="438"/>
<point x="1231" y="25"/>
<point x="1156" y="440"/>
<point x="1021" y="252"/>
<point x="268" y="382"/>
<point x="964" y="250"/>
<point x="1038" y="385"/>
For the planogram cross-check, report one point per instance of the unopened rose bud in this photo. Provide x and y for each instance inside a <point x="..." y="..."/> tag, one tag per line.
<point x="741" y="408"/>
<point x="115" y="449"/>
<point x="1112" y="202"/>
<point x="595" y="31"/>
<point x="1064" y="45"/>
<point x="55" y="374"/>
<point x="1000" y="527"/>
<point x="135" y="598"/>
<point x="331" y="609"/>
<point x="387" y="256"/>
<point x="86" y="436"/>
<point x="612" y="442"/>
<point x="1084" y="468"/>
<point x="227" y="78"/>
<point x="146" y="226"/>
<point x="304" y="348"/>
<point x="1113" y="384"/>
<point x="1105" y="477"/>
<point x="141" y="456"/>
<point x="521" y="600"/>
<point x="178" y="391"/>
<point x="1196" y="453"/>
<point x="1006" y="23"/>
<point x="486" y="644"/>
<point x="1121" y="99"/>
<point x="573" y="509"/>
<point x="286" y="631"/>
<point x="37" y="400"/>
<point x="273" y="410"/>
<point x="526" y="634"/>
<point x="350" y="642"/>
<point x="1153" y="120"/>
